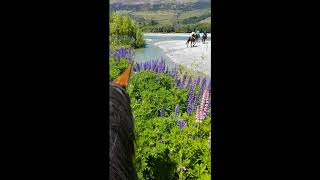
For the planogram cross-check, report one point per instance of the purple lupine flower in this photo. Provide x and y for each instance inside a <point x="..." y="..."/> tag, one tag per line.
<point x="202" y="101"/>
<point x="130" y="54"/>
<point x="167" y="70"/>
<point x="149" y="66"/>
<point x="190" y="98"/>
<point x="145" y="66"/>
<point x="156" y="68"/>
<point x="174" y="70"/>
<point x="182" y="123"/>
<point x="159" y="67"/>
<point x="183" y="81"/>
<point x="197" y="81"/>
<point x="189" y="82"/>
<point x="195" y="102"/>
<point x="198" y="115"/>
<point x="205" y="104"/>
<point x="178" y="82"/>
<point x="176" y="79"/>
<point x="162" y="66"/>
<point x="176" y="111"/>
<point x="120" y="52"/>
<point x="206" y="113"/>
<point x="202" y="86"/>
<point x="125" y="53"/>
<point x="153" y="65"/>
<point x="138" y="67"/>
<point x="162" y="112"/>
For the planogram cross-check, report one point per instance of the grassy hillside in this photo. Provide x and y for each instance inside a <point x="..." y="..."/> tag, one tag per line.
<point x="167" y="15"/>
<point x="194" y="13"/>
<point x="207" y="20"/>
<point x="136" y="2"/>
<point x="161" y="17"/>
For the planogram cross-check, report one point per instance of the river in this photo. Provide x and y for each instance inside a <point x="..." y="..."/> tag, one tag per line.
<point x="152" y="51"/>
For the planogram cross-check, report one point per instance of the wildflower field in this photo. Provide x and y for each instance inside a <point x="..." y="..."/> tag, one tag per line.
<point x="172" y="119"/>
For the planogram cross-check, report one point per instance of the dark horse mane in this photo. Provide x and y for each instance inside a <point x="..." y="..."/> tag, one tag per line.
<point x="121" y="137"/>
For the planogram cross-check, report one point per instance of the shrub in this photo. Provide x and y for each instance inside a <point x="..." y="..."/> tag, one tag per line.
<point x="124" y="32"/>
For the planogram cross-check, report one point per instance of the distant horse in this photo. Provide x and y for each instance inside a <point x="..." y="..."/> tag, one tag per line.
<point x="192" y="40"/>
<point x="121" y="130"/>
<point x="204" y="37"/>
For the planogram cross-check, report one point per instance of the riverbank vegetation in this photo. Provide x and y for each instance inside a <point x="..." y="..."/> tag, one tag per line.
<point x="124" y="32"/>
<point x="167" y="28"/>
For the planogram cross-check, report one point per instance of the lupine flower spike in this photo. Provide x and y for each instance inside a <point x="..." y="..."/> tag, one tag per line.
<point x="176" y="111"/>
<point x="182" y="123"/>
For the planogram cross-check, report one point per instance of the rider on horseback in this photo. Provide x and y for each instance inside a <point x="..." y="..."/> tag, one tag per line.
<point x="197" y="36"/>
<point x="204" y="37"/>
<point x="191" y="39"/>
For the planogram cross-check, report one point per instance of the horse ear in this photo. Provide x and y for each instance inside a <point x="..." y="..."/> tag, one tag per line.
<point x="123" y="79"/>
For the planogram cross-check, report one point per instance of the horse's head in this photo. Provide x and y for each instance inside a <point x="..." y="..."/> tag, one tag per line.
<point x="121" y="128"/>
<point x="123" y="79"/>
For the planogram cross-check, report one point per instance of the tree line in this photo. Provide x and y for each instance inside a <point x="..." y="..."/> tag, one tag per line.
<point x="177" y="28"/>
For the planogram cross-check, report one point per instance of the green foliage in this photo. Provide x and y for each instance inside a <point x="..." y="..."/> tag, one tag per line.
<point x="124" y="32"/>
<point x="153" y="22"/>
<point x="116" y="68"/>
<point x="167" y="28"/>
<point x="163" y="150"/>
<point x="191" y="27"/>
<point x="149" y="92"/>
<point x="178" y="28"/>
<point x="196" y="19"/>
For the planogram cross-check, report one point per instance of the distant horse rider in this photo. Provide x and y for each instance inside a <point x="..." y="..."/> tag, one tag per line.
<point x="191" y="39"/>
<point x="204" y="37"/>
<point x="197" y="36"/>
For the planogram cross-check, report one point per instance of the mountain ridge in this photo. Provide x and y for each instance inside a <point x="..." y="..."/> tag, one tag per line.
<point x="138" y="5"/>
